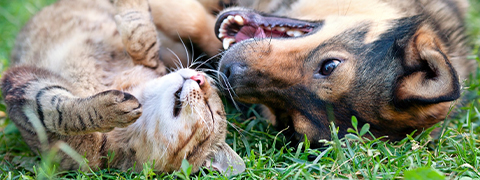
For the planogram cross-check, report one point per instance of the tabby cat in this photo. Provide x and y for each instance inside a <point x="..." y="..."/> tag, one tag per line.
<point x="87" y="73"/>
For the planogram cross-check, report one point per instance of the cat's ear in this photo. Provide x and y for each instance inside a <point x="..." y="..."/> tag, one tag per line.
<point x="226" y="161"/>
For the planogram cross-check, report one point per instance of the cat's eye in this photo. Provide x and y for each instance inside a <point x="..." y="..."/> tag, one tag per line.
<point x="328" y="66"/>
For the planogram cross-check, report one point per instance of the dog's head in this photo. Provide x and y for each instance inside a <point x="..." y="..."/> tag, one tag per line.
<point x="388" y="70"/>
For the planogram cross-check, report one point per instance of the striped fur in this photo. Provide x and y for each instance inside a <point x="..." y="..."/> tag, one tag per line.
<point x="88" y="73"/>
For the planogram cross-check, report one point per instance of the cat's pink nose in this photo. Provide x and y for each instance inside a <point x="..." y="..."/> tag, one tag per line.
<point x="200" y="78"/>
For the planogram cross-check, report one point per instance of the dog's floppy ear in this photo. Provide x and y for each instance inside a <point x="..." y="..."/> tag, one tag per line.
<point x="428" y="76"/>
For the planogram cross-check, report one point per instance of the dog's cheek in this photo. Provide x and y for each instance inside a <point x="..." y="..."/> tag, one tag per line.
<point x="314" y="131"/>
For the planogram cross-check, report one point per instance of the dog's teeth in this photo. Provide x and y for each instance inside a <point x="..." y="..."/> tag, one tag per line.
<point x="294" y="33"/>
<point x="298" y="33"/>
<point x="239" y="20"/>
<point x="225" y="22"/>
<point x="268" y="28"/>
<point x="290" y="33"/>
<point x="221" y="30"/>
<point x="230" y="17"/>
<point x="281" y="29"/>
<point x="227" y="42"/>
<point x="221" y="35"/>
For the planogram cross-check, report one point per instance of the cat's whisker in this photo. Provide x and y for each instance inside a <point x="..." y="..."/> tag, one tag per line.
<point x="179" y="61"/>
<point x="170" y="69"/>
<point x="239" y="130"/>
<point x="195" y="108"/>
<point x="193" y="52"/>
<point x="196" y="61"/>
<point x="196" y="111"/>
<point x="209" y="59"/>
<point x="228" y="87"/>
<point x="165" y="149"/>
<point x="215" y="78"/>
<point x="186" y="50"/>
<point x="227" y="84"/>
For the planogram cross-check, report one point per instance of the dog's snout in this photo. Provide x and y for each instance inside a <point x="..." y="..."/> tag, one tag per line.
<point x="233" y="70"/>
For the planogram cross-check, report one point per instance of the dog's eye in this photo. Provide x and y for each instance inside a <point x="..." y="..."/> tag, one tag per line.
<point x="328" y="66"/>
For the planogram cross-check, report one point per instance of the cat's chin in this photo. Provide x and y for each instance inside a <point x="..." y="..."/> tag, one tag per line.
<point x="176" y="114"/>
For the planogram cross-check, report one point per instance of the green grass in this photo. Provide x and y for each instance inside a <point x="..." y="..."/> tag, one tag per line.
<point x="454" y="155"/>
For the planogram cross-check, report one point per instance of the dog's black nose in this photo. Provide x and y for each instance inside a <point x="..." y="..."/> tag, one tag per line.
<point x="234" y="70"/>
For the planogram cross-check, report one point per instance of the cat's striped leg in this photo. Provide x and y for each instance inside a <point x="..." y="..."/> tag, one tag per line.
<point x="139" y="34"/>
<point x="36" y="96"/>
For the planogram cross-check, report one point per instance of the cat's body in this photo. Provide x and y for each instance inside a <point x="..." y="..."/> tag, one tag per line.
<point x="87" y="73"/>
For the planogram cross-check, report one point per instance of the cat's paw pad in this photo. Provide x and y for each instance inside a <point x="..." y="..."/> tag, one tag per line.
<point x="119" y="108"/>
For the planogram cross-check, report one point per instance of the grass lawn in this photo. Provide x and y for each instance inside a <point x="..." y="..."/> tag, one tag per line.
<point x="454" y="155"/>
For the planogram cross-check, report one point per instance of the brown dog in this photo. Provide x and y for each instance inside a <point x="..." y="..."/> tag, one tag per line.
<point x="397" y="65"/>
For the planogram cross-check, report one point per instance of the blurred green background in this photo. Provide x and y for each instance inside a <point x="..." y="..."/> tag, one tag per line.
<point x="13" y="15"/>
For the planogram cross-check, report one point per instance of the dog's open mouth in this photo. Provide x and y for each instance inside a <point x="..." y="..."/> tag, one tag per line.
<point x="236" y="26"/>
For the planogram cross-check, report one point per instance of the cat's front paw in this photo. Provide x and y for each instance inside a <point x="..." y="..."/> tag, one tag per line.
<point x="139" y="34"/>
<point x="126" y="5"/>
<point x="118" y="109"/>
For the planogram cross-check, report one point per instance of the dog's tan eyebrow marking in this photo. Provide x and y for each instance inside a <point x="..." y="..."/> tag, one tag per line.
<point x="346" y="40"/>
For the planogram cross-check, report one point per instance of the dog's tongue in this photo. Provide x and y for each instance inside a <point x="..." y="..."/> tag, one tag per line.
<point x="260" y="33"/>
<point x="248" y="32"/>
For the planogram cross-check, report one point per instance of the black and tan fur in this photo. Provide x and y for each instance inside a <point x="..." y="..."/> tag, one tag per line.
<point x="397" y="65"/>
<point x="88" y="73"/>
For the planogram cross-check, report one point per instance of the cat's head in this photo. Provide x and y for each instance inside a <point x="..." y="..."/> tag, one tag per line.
<point x="184" y="118"/>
